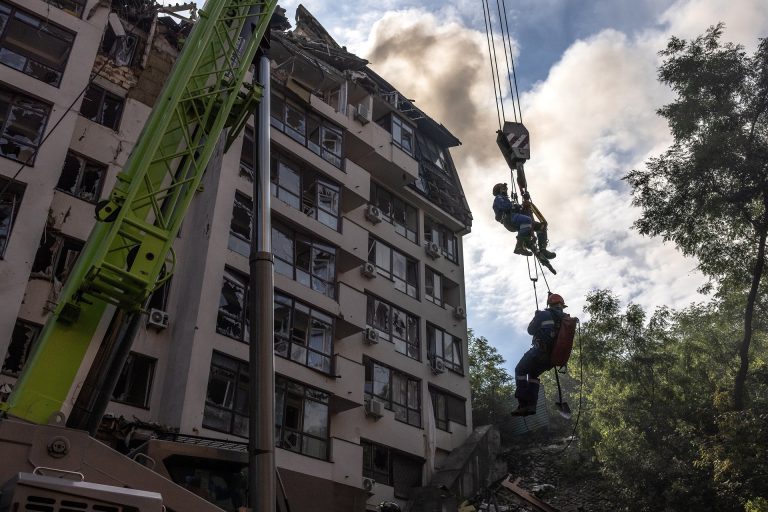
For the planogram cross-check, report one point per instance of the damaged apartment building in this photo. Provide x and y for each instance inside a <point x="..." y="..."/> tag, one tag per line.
<point x="368" y="213"/>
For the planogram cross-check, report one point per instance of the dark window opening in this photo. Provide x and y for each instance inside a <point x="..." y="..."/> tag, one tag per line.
<point x="395" y="325"/>
<point x="447" y="407"/>
<point x="241" y="225"/>
<point x="392" y="467"/>
<point x="443" y="237"/>
<point x="223" y="483"/>
<point x="303" y="334"/>
<point x="433" y="287"/>
<point x="404" y="217"/>
<point x="102" y="107"/>
<point x="81" y="177"/>
<point x="232" y="320"/>
<point x="246" y="155"/>
<point x="400" y="393"/>
<point x="446" y="347"/>
<point x="301" y="418"/>
<point x="305" y="259"/>
<point x="121" y="49"/>
<point x="226" y="401"/>
<point x="22" y="124"/>
<point x="159" y="297"/>
<point x="9" y="208"/>
<point x="56" y="257"/>
<point x="33" y="45"/>
<point x="22" y="339"/>
<point x="135" y="382"/>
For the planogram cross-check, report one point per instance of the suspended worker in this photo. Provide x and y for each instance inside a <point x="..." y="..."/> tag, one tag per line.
<point x="544" y="328"/>
<point x="513" y="216"/>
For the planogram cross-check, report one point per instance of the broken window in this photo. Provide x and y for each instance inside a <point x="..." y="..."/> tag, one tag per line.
<point x="303" y="334"/>
<point x="396" y="266"/>
<point x="305" y="259"/>
<point x="102" y="107"/>
<point x="81" y="177"/>
<point x="306" y="190"/>
<point x="400" y="392"/>
<point x="232" y="319"/>
<point x="301" y="418"/>
<point x="402" y="135"/>
<point x="433" y="286"/>
<point x="443" y="237"/>
<point x="22" y="124"/>
<point x="56" y="256"/>
<point x="159" y="297"/>
<point x="121" y="49"/>
<point x="32" y="45"/>
<point x="395" y="325"/>
<point x="447" y="407"/>
<point x="10" y="201"/>
<point x="403" y="216"/>
<point x="135" y="383"/>
<point x="226" y="401"/>
<point x="308" y="129"/>
<point x="446" y="347"/>
<point x="22" y="339"/>
<point x="74" y="7"/>
<point x="240" y="227"/>
<point x="246" y="155"/>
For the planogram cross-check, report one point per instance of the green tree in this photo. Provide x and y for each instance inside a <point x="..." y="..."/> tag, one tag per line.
<point x="708" y="193"/>
<point x="491" y="384"/>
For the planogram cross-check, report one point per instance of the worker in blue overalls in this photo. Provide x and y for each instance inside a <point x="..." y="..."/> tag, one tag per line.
<point x="512" y="216"/>
<point x="543" y="328"/>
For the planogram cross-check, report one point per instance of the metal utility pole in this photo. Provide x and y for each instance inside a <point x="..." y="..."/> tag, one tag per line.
<point x="261" y="408"/>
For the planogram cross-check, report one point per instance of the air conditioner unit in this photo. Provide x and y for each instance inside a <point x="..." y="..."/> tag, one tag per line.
<point x="369" y="484"/>
<point x="362" y="113"/>
<point x="157" y="318"/>
<point x="371" y="336"/>
<point x="368" y="269"/>
<point x="460" y="313"/>
<point x="374" y="408"/>
<point x="438" y="365"/>
<point x="433" y="250"/>
<point x="373" y="214"/>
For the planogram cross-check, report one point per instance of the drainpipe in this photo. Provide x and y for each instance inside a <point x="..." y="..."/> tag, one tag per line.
<point x="261" y="408"/>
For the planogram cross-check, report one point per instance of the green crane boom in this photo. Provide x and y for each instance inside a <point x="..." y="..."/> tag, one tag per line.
<point x="129" y="253"/>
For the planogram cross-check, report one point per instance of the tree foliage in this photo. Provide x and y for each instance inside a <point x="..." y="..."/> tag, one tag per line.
<point x="490" y="382"/>
<point x="708" y="193"/>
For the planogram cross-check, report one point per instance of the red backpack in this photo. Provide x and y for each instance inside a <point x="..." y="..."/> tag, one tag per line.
<point x="561" y="350"/>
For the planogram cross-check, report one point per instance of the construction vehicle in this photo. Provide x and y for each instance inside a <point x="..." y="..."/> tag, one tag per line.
<point x="50" y="462"/>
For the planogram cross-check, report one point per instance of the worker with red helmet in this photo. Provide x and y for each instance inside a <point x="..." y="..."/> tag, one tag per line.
<point x="536" y="361"/>
<point x="513" y="217"/>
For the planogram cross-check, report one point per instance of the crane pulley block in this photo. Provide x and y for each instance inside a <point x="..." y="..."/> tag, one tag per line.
<point x="515" y="143"/>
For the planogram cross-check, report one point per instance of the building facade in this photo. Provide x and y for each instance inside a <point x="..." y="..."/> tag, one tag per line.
<point x="368" y="214"/>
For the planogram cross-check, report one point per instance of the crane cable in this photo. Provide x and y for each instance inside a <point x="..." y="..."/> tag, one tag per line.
<point x="496" y="73"/>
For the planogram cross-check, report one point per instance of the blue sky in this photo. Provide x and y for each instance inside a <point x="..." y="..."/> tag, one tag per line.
<point x="587" y="77"/>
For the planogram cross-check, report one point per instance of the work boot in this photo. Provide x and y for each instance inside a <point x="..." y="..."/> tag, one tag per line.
<point x="544" y="252"/>
<point x="544" y="261"/>
<point x="524" y="410"/>
<point x="520" y="248"/>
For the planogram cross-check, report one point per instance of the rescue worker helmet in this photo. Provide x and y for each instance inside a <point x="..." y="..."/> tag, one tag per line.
<point x="499" y="188"/>
<point x="556" y="300"/>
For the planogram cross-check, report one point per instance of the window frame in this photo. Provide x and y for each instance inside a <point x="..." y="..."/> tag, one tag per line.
<point x="403" y="345"/>
<point x="62" y="249"/>
<point x="455" y="341"/>
<point x="127" y="367"/>
<point x="289" y="337"/>
<point x="389" y="400"/>
<point x="309" y="395"/>
<point x="238" y="242"/>
<point x="408" y="284"/>
<point x="16" y="100"/>
<point x="392" y="454"/>
<point x="11" y="199"/>
<point x="445" y="409"/>
<point x="104" y="94"/>
<point x="399" y="127"/>
<point x="446" y="239"/>
<point x="237" y="407"/>
<point x="429" y="272"/>
<point x="26" y="350"/>
<point x="389" y="204"/>
<point x="36" y="24"/>
<point x="237" y="281"/>
<point x="84" y="162"/>
<point x="307" y="277"/>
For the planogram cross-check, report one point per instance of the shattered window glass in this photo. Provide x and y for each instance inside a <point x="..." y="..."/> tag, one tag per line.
<point x="74" y="7"/>
<point x="22" y="123"/>
<point x="102" y="107"/>
<point x="446" y="347"/>
<point x="32" y="45"/>
<point x="395" y="325"/>
<point x="403" y="216"/>
<point x="399" y="392"/>
<point x="55" y="257"/>
<point x="301" y="418"/>
<point x="443" y="237"/>
<point x="9" y="207"/>
<point x="22" y="339"/>
<point x="396" y="266"/>
<point x="240" y="227"/>
<point x="305" y="260"/>
<point x="232" y="320"/>
<point x="81" y="177"/>
<point x="135" y="382"/>
<point x="302" y="334"/>
<point x="226" y="401"/>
